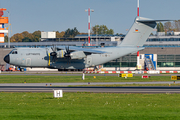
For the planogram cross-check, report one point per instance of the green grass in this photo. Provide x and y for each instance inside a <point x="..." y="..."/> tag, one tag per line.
<point x="67" y="79"/>
<point x="89" y="106"/>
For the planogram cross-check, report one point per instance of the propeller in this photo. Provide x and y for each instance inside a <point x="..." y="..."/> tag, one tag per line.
<point x="54" y="53"/>
<point x="67" y="54"/>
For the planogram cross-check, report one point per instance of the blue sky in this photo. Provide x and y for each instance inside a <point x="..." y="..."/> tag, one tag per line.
<point x="59" y="15"/>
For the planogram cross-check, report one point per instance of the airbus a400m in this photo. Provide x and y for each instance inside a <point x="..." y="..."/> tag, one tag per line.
<point x="70" y="57"/>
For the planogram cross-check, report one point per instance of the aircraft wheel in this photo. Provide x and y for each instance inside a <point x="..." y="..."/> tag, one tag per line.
<point x="22" y="69"/>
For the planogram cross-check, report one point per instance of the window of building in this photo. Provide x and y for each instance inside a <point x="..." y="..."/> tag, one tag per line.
<point x="168" y="60"/>
<point x="165" y="64"/>
<point x="170" y="57"/>
<point x="132" y="64"/>
<point x="133" y="58"/>
<point x="172" y="39"/>
<point x="177" y="64"/>
<point x="125" y="61"/>
<point x="161" y="58"/>
<point x="126" y="58"/>
<point x="177" y="57"/>
<point x="124" y="64"/>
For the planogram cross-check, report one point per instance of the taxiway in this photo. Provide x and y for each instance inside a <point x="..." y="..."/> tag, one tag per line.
<point x="159" y="89"/>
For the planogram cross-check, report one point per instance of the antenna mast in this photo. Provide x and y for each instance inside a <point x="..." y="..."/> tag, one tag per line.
<point x="138" y="65"/>
<point x="89" y="30"/>
<point x="138" y="8"/>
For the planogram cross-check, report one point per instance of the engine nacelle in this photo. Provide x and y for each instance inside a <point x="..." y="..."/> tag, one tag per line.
<point x="60" y="54"/>
<point x="77" y="55"/>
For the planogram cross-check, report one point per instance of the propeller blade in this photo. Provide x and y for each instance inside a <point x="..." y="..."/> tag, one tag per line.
<point x="54" y="49"/>
<point x="67" y="52"/>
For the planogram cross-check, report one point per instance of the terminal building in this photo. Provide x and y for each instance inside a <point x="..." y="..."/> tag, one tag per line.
<point x="162" y="52"/>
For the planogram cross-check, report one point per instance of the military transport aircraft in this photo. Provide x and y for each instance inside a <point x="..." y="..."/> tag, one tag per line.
<point x="71" y="57"/>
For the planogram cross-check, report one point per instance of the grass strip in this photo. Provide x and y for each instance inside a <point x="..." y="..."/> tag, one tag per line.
<point x="76" y="79"/>
<point x="96" y="106"/>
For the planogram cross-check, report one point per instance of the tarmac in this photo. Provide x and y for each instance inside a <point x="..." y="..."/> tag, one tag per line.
<point x="158" y="89"/>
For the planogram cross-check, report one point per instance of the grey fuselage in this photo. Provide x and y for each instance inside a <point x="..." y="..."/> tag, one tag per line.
<point x="39" y="57"/>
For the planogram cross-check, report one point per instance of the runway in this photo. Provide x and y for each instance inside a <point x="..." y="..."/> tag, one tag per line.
<point x="172" y="89"/>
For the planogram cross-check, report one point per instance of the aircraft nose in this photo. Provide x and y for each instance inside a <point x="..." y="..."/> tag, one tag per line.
<point x="7" y="59"/>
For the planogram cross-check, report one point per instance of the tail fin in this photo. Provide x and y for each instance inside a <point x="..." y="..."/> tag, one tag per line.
<point x="139" y="32"/>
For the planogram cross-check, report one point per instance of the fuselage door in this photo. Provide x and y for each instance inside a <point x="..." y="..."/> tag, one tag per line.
<point x="28" y="62"/>
<point x="89" y="60"/>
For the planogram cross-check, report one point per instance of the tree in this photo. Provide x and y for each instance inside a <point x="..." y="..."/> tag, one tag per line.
<point x="102" y="29"/>
<point x="75" y="32"/>
<point x="59" y="34"/>
<point x="110" y="32"/>
<point x="67" y="33"/>
<point x="6" y="38"/>
<point x="17" y="37"/>
<point x="25" y="34"/>
<point x="36" y="36"/>
<point x="168" y="26"/>
<point x="71" y="32"/>
<point x="28" y="37"/>
<point x="176" y="25"/>
<point x="95" y="29"/>
<point x="160" y="27"/>
<point x="118" y="34"/>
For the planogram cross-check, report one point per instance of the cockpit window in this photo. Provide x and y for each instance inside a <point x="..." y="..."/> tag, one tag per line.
<point x="14" y="52"/>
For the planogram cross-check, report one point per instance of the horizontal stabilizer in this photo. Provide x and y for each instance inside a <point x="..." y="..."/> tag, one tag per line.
<point x="147" y="21"/>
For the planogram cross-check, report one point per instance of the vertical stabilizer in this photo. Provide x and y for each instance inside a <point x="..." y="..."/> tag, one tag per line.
<point x="139" y="32"/>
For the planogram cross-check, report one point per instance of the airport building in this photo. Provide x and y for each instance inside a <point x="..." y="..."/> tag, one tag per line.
<point x="3" y="21"/>
<point x="161" y="51"/>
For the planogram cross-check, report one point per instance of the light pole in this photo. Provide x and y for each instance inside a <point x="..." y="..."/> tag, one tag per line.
<point x="8" y="29"/>
<point x="138" y="8"/>
<point x="89" y="30"/>
<point x="96" y="36"/>
<point x="138" y="65"/>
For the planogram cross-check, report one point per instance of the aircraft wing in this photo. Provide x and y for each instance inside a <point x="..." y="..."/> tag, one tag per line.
<point x="85" y="50"/>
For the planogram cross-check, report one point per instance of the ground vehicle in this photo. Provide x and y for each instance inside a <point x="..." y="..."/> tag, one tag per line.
<point x="2" y="68"/>
<point x="11" y="69"/>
